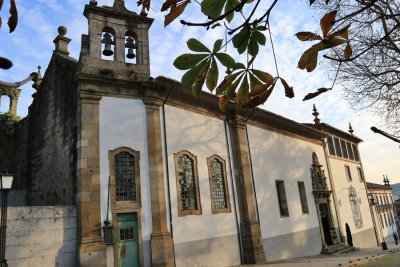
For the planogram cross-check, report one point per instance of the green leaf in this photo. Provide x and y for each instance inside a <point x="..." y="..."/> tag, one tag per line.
<point x="288" y="90"/>
<point x="230" y="4"/>
<point x="212" y="8"/>
<point x="243" y="92"/>
<point x="332" y="43"/>
<point x="253" y="46"/>
<point x="259" y="36"/>
<point x="253" y="82"/>
<point x="197" y="46"/>
<point x="315" y="94"/>
<point x="190" y="76"/>
<point x="225" y="60"/>
<point x="217" y="45"/>
<point x="327" y="22"/>
<point x="263" y="76"/>
<point x="241" y="39"/>
<point x="212" y="76"/>
<point x="238" y="66"/>
<point x="223" y="86"/>
<point x="187" y="61"/>
<point x="200" y="79"/>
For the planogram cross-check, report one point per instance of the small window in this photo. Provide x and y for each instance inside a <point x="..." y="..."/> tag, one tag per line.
<point x="350" y="151"/>
<point x="348" y="173"/>
<point x="283" y="206"/>
<point x="383" y="225"/>
<point x="331" y="147"/>
<point x="303" y="197"/>
<point x="218" y="185"/>
<point x="187" y="184"/>
<point x="386" y="223"/>
<point x="338" y="149"/>
<point x="360" y="174"/>
<point x="355" y="151"/>
<point x="344" y="149"/>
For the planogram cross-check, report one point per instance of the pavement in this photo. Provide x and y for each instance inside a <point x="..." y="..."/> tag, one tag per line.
<point x="348" y="259"/>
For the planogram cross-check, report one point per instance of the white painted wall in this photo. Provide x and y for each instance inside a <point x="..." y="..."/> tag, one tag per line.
<point x="280" y="157"/>
<point x="202" y="136"/>
<point x="41" y="236"/>
<point x="123" y="124"/>
<point x="342" y="192"/>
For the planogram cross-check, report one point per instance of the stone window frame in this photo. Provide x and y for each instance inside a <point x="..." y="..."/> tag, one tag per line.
<point x="303" y="197"/>
<point x="347" y="171"/>
<point x="227" y="209"/>
<point x="124" y="205"/>
<point x="184" y="212"/>
<point x="282" y="199"/>
<point x="360" y="174"/>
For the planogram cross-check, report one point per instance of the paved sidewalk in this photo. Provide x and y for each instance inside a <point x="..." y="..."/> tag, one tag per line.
<point x="348" y="259"/>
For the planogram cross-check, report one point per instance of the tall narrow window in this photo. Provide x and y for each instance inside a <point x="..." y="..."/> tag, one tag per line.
<point x="124" y="178"/>
<point x="348" y="173"/>
<point x="283" y="206"/>
<point x="218" y="185"/>
<point x="351" y="155"/>
<point x="303" y="197"/>
<point x="331" y="147"/>
<point x="355" y="151"/>
<point x="125" y="184"/>
<point x="338" y="148"/>
<point x="360" y="174"/>
<point x="344" y="149"/>
<point x="187" y="184"/>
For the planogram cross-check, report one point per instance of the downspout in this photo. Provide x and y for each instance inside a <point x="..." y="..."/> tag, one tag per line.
<point x="233" y="190"/>
<point x="167" y="171"/>
<point x="333" y="190"/>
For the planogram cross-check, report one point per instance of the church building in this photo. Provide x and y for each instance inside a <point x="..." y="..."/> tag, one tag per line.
<point x="160" y="178"/>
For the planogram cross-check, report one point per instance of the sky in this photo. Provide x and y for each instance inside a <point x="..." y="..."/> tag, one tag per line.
<point x="32" y="44"/>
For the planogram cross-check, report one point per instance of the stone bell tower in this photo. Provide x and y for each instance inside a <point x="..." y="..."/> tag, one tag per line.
<point x="117" y="45"/>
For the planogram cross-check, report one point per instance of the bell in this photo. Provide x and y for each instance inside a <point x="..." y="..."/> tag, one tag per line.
<point x="130" y="53"/>
<point x="107" y="50"/>
<point x="107" y="45"/>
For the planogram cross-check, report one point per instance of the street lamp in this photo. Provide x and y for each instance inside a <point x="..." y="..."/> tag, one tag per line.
<point x="5" y="187"/>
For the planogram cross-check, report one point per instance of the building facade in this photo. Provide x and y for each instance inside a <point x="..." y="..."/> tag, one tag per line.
<point x="172" y="179"/>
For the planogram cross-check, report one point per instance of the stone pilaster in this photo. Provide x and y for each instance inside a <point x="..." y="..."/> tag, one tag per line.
<point x="92" y="249"/>
<point x="161" y="240"/>
<point x="14" y="102"/>
<point x="253" y="250"/>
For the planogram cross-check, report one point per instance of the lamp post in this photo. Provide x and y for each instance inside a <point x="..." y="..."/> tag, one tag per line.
<point x="5" y="187"/>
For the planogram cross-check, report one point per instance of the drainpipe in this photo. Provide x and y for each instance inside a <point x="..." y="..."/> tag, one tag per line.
<point x="324" y="144"/>
<point x="167" y="172"/>
<point x="233" y="190"/>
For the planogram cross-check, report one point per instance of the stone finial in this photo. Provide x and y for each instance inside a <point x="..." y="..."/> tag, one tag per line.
<point x="93" y="3"/>
<point x="315" y="114"/>
<point x="119" y="5"/>
<point x="143" y="12"/>
<point x="38" y="79"/>
<point x="386" y="180"/>
<point x="351" y="131"/>
<point x="61" y="42"/>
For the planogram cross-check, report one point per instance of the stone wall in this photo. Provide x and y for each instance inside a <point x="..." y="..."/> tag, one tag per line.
<point x="41" y="236"/>
<point x="47" y="154"/>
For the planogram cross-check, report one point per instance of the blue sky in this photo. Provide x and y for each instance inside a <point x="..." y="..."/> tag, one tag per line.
<point x="32" y="44"/>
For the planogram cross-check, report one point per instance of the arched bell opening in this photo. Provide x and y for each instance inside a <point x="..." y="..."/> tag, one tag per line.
<point x="131" y="48"/>
<point x="108" y="44"/>
<point x="5" y="103"/>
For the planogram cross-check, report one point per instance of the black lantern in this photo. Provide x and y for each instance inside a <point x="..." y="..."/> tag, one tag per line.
<point x="108" y="232"/>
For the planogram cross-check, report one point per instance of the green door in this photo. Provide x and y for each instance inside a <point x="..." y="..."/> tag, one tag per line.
<point x="128" y="248"/>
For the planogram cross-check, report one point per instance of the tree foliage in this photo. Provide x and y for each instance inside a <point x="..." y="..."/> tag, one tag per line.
<point x="372" y="77"/>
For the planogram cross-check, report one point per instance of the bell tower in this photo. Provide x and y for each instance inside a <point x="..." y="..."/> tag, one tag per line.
<point x="117" y="45"/>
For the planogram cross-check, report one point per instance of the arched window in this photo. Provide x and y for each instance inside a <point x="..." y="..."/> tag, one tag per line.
<point x="125" y="175"/>
<point x="218" y="185"/>
<point x="187" y="184"/>
<point x="131" y="48"/>
<point x="108" y="44"/>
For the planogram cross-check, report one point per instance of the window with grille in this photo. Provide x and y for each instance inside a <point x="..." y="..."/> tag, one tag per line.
<point x="303" y="197"/>
<point x="283" y="206"/>
<point x="218" y="185"/>
<point x="125" y="184"/>
<point x="187" y="184"/>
